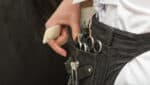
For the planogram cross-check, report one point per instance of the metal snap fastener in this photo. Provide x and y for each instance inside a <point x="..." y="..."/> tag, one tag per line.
<point x="90" y="70"/>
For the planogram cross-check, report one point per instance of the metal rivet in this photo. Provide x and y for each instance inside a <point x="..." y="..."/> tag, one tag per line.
<point x="90" y="70"/>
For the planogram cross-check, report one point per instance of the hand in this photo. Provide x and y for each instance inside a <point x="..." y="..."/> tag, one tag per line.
<point x="67" y="14"/>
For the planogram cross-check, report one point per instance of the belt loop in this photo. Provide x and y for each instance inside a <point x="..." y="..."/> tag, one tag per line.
<point x="110" y="37"/>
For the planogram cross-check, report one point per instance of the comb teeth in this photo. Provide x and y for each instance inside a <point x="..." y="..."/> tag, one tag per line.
<point x="51" y="33"/>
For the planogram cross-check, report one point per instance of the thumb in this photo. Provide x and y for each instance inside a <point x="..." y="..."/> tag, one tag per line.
<point x="75" y="29"/>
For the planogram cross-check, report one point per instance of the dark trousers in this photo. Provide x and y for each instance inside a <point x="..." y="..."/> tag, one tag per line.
<point x="118" y="48"/>
<point x="24" y="60"/>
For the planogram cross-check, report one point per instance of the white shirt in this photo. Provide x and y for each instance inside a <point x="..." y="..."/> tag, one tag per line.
<point x="136" y="72"/>
<point x="124" y="14"/>
<point x="132" y="16"/>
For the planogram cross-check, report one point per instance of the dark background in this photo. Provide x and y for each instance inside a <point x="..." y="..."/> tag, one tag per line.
<point x="57" y="71"/>
<point x="24" y="60"/>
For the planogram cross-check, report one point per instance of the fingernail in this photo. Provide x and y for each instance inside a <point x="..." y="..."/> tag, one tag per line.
<point x="64" y="54"/>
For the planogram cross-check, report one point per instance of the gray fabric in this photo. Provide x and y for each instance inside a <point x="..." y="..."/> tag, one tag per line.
<point x="118" y="49"/>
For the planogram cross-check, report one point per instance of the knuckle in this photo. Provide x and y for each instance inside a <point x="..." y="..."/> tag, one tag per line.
<point x="50" y="22"/>
<point x="47" y="23"/>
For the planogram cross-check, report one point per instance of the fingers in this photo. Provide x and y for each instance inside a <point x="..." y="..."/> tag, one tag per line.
<point x="57" y="48"/>
<point x="62" y="39"/>
<point x="75" y="29"/>
<point x="64" y="16"/>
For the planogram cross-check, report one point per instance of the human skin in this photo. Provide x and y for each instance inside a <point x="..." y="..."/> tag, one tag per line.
<point x="67" y="14"/>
